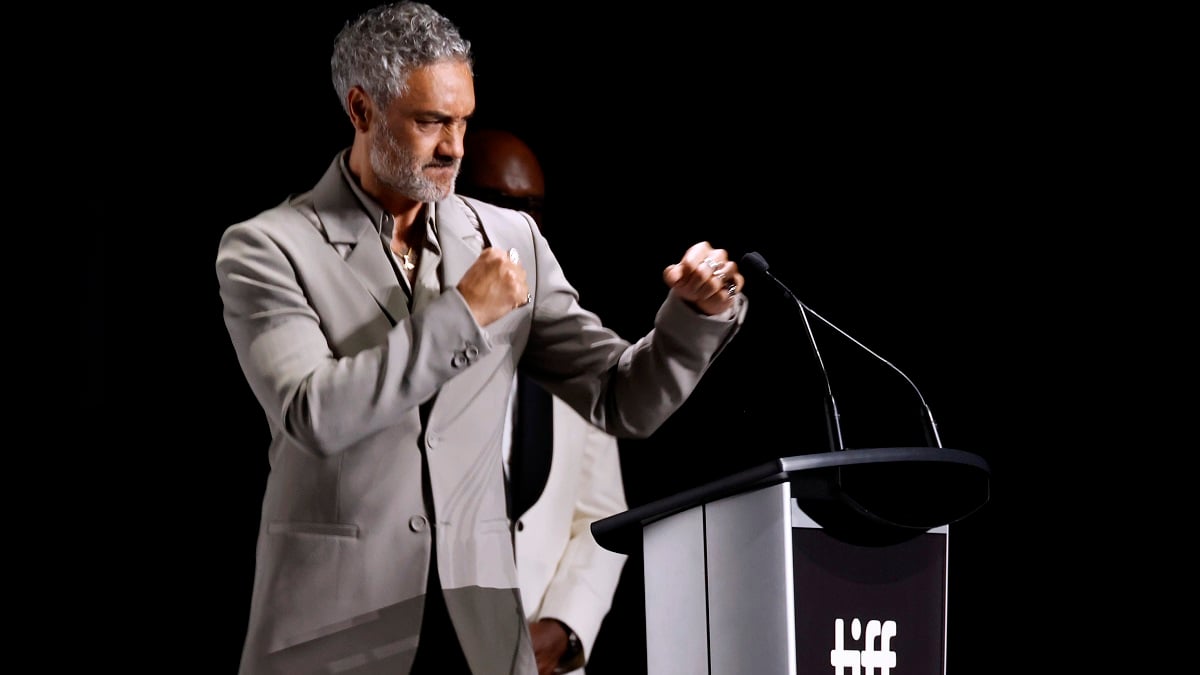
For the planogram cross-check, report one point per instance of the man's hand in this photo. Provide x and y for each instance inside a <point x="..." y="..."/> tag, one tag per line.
<point x="706" y="278"/>
<point x="549" y="644"/>
<point x="494" y="285"/>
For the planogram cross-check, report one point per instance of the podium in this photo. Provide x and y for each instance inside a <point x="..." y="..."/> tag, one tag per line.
<point x="831" y="563"/>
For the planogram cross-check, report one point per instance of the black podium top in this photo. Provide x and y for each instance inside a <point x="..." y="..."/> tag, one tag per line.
<point x="867" y="496"/>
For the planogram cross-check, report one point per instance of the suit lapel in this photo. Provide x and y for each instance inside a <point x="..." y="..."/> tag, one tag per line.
<point x="460" y="239"/>
<point x="370" y="263"/>
<point x="346" y="224"/>
<point x="463" y="235"/>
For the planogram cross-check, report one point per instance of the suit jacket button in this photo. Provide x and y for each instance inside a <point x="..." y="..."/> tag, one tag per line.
<point x="520" y="525"/>
<point x="417" y="523"/>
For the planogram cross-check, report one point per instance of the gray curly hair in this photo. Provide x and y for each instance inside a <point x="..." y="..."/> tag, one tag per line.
<point x="379" y="49"/>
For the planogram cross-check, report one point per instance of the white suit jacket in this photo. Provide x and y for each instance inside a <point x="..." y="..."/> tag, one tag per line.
<point x="563" y="573"/>
<point x="386" y="426"/>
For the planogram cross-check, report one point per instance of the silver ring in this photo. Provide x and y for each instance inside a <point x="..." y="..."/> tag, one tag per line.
<point x="711" y="263"/>
<point x="731" y="289"/>
<point x="514" y="256"/>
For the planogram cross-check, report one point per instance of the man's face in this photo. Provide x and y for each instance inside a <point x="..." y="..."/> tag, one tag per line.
<point x="417" y="147"/>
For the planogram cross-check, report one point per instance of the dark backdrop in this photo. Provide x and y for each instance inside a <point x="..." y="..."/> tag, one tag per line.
<point x="900" y="172"/>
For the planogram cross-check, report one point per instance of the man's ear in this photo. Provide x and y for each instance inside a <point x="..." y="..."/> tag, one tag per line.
<point x="360" y="107"/>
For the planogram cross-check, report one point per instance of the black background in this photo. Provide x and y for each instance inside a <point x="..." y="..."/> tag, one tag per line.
<point x="926" y="182"/>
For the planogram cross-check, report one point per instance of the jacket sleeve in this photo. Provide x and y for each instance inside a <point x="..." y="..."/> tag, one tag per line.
<point x="627" y="389"/>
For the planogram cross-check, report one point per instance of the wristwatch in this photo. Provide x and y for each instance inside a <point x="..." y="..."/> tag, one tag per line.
<point x="571" y="659"/>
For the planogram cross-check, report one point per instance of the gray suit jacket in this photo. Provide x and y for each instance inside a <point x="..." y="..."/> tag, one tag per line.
<point x="386" y="427"/>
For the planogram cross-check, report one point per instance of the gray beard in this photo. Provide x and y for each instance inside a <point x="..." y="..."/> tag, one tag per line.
<point x="400" y="170"/>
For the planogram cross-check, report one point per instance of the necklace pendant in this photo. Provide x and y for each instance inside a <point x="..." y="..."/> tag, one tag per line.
<point x="408" y="266"/>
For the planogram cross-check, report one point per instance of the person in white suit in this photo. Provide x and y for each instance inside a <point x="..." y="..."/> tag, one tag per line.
<point x="379" y="319"/>
<point x="567" y="580"/>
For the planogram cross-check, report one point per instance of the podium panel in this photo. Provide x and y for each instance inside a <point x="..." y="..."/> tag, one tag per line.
<point x="725" y="607"/>
<point x="676" y="596"/>
<point x="874" y="607"/>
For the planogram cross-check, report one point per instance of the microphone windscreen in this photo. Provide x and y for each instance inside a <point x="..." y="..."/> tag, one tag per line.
<point x="755" y="262"/>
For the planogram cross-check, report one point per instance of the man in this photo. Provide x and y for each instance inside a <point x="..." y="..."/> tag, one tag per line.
<point x="566" y="473"/>
<point x="379" y="320"/>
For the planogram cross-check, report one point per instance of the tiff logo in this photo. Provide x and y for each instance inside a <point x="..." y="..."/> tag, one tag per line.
<point x="868" y="658"/>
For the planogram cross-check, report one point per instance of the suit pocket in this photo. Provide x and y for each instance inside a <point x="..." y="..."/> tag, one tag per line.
<point x="319" y="529"/>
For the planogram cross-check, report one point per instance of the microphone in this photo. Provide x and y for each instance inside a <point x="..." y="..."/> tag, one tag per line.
<point x="833" y="426"/>
<point x="754" y="262"/>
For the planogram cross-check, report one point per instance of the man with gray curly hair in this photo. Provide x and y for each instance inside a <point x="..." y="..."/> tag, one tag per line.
<point x="379" y="319"/>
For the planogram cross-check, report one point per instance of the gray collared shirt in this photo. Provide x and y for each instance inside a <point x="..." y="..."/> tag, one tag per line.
<point x="426" y="279"/>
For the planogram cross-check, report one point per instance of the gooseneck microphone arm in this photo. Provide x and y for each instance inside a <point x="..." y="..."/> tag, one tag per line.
<point x="833" y="423"/>
<point x="757" y="263"/>
<point x="928" y="413"/>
